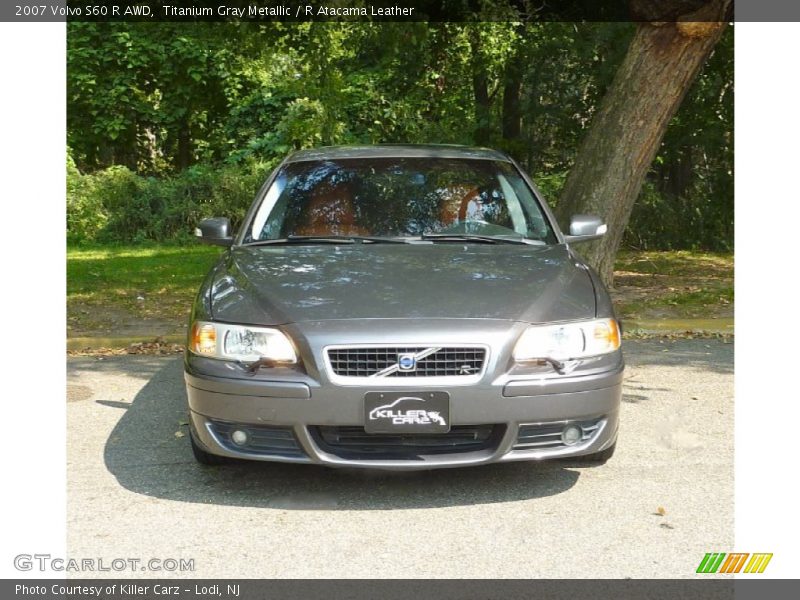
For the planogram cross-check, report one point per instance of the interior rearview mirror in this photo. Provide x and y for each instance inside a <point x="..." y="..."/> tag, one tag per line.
<point x="216" y="230"/>
<point x="584" y="228"/>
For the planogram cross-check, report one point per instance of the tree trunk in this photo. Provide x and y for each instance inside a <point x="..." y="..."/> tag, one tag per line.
<point x="480" y="87"/>
<point x="512" y="114"/>
<point x="184" y="145"/>
<point x="662" y="61"/>
<point x="512" y="93"/>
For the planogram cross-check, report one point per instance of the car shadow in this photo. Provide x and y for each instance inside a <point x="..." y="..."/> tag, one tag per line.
<point x="148" y="452"/>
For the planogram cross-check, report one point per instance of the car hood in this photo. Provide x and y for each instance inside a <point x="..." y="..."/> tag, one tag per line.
<point x="271" y="285"/>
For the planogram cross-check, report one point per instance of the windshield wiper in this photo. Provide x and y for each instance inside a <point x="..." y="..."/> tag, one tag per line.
<point x="369" y="239"/>
<point x="328" y="239"/>
<point x="485" y="239"/>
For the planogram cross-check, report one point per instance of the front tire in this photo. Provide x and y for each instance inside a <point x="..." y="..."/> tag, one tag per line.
<point x="203" y="457"/>
<point x="596" y="459"/>
<point x="599" y="458"/>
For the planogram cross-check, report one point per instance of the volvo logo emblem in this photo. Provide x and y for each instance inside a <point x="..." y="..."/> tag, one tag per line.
<point x="406" y="362"/>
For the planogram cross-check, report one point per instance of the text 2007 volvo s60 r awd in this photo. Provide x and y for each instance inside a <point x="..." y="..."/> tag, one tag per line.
<point x="402" y="307"/>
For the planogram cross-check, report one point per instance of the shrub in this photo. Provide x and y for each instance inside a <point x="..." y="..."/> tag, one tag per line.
<point x="86" y="215"/>
<point x="117" y="205"/>
<point x="694" y="221"/>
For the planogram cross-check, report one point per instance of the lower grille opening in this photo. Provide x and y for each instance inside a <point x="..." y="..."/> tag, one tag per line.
<point x="261" y="439"/>
<point x="354" y="443"/>
<point x="544" y="436"/>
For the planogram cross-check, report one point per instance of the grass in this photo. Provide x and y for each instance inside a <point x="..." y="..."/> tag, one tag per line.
<point x="124" y="289"/>
<point x="676" y="262"/>
<point x="688" y="304"/>
<point x="674" y="285"/>
<point x="146" y="291"/>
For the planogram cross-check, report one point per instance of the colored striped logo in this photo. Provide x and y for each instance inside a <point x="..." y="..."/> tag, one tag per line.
<point x="719" y="562"/>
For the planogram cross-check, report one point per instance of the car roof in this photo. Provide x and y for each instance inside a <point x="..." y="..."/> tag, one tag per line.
<point x="397" y="151"/>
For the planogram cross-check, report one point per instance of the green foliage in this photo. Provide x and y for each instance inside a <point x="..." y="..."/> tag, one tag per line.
<point x="168" y="122"/>
<point x="550" y="185"/>
<point x="131" y="208"/>
<point x="150" y="97"/>
<point x="86" y="215"/>
<point x="694" y="220"/>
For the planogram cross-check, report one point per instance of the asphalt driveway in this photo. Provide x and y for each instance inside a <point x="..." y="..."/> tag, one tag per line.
<point x="662" y="502"/>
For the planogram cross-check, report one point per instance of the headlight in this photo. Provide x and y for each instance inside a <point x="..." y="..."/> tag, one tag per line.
<point x="568" y="341"/>
<point x="241" y="342"/>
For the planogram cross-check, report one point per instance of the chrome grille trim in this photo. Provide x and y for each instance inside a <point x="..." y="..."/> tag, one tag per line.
<point x="395" y="368"/>
<point x="437" y="364"/>
<point x="543" y="436"/>
<point x="263" y="440"/>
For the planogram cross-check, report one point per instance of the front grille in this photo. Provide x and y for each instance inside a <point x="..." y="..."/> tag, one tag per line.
<point x="442" y="362"/>
<point x="261" y="439"/>
<point x="354" y="442"/>
<point x="543" y="436"/>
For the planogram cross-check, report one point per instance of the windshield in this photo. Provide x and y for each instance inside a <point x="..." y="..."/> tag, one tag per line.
<point x="399" y="197"/>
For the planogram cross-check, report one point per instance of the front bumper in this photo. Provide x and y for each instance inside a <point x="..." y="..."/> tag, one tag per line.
<point x="287" y="418"/>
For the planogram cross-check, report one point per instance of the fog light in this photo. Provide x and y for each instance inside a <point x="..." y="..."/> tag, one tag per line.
<point x="572" y="434"/>
<point x="239" y="437"/>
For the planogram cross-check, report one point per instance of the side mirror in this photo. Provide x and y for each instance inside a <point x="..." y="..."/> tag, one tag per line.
<point x="216" y="230"/>
<point x="584" y="228"/>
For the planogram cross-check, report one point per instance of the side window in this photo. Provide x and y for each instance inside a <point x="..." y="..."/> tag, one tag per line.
<point x="260" y="226"/>
<point x="515" y="209"/>
<point x="538" y="227"/>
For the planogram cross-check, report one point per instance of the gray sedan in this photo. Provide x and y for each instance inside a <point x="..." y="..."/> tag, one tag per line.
<point x="402" y="307"/>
